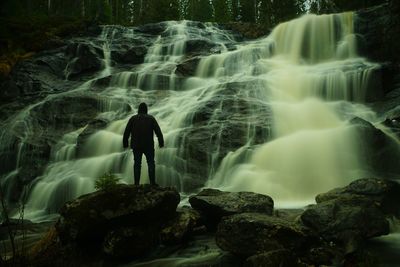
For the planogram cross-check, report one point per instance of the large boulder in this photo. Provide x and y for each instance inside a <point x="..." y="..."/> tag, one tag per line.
<point x="384" y="193"/>
<point x="89" y="217"/>
<point x="347" y="221"/>
<point x="213" y="204"/>
<point x="249" y="234"/>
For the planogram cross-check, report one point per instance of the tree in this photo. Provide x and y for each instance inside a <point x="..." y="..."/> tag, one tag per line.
<point x="248" y="10"/>
<point x="200" y="10"/>
<point x="221" y="11"/>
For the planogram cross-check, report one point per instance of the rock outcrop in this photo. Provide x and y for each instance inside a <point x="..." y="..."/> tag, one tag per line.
<point x="346" y="221"/>
<point x="385" y="194"/>
<point x="214" y="204"/>
<point x="249" y="234"/>
<point x="379" y="151"/>
<point x="338" y="225"/>
<point x="91" y="217"/>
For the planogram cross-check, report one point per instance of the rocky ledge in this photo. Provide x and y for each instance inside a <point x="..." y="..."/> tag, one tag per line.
<point x="131" y="222"/>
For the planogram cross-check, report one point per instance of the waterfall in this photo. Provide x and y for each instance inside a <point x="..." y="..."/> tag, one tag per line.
<point x="306" y="81"/>
<point x="269" y="115"/>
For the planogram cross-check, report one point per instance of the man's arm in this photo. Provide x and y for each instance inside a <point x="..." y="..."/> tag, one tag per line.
<point x="159" y="134"/>
<point x="127" y="133"/>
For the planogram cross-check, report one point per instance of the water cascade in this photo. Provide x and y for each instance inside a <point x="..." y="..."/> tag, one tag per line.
<point x="306" y="82"/>
<point x="269" y="115"/>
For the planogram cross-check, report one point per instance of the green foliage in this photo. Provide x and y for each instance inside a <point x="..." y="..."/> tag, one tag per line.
<point x="106" y="182"/>
<point x="221" y="11"/>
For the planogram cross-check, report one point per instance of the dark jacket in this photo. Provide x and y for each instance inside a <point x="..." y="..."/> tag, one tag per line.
<point x="140" y="128"/>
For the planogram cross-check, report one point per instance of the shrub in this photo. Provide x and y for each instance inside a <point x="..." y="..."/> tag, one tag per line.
<point x="106" y="182"/>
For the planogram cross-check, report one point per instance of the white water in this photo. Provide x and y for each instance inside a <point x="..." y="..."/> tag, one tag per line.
<point x="307" y="71"/>
<point x="313" y="147"/>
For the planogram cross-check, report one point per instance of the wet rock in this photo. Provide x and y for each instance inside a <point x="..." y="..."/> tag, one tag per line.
<point x="347" y="221"/>
<point x="37" y="76"/>
<point x="83" y="58"/>
<point x="375" y="24"/>
<point x="288" y="214"/>
<point x="201" y="47"/>
<point x="89" y="217"/>
<point x="92" y="127"/>
<point x="129" y="55"/>
<point x="187" y="67"/>
<point x="249" y="234"/>
<point x="8" y="90"/>
<point x="67" y="111"/>
<point x="130" y="242"/>
<point x="384" y="193"/>
<point x="274" y="258"/>
<point x="152" y="28"/>
<point x="378" y="27"/>
<point x="181" y="227"/>
<point x="213" y="204"/>
<point x="378" y="151"/>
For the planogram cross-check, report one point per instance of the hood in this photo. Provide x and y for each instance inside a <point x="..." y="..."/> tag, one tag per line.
<point x="142" y="108"/>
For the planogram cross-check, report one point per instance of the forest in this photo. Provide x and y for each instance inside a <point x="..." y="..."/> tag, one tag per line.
<point x="38" y="21"/>
<point x="267" y="12"/>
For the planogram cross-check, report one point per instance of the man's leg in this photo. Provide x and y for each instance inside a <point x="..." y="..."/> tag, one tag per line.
<point x="149" y="153"/>
<point x="137" y="157"/>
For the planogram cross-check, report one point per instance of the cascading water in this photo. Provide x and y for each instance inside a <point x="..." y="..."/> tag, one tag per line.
<point x="306" y="81"/>
<point x="269" y="115"/>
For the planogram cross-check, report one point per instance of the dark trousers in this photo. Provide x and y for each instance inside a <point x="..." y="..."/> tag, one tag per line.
<point x="137" y="156"/>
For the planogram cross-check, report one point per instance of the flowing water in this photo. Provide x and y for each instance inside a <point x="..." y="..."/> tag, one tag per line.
<point x="269" y="115"/>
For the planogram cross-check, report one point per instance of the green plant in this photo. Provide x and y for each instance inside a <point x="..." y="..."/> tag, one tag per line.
<point x="106" y="182"/>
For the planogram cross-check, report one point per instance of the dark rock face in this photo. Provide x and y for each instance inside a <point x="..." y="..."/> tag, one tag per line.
<point x="201" y="46"/>
<point x="379" y="152"/>
<point x="347" y="220"/>
<point x="253" y="233"/>
<point x="129" y="55"/>
<point x="187" y="67"/>
<point x="378" y="27"/>
<point x="384" y="193"/>
<point x="213" y="204"/>
<point x="181" y="227"/>
<point x="130" y="242"/>
<point x="91" y="216"/>
<point x="83" y="58"/>
<point x="280" y="257"/>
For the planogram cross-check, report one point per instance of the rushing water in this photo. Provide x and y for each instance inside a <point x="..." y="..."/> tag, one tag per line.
<point x="291" y="96"/>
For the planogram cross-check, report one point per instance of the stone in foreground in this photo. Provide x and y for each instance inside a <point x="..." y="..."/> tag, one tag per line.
<point x="385" y="193"/>
<point x="89" y="217"/>
<point x="213" y="204"/>
<point x="347" y="221"/>
<point x="249" y="234"/>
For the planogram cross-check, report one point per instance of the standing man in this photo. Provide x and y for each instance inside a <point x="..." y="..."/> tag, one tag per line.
<point x="140" y="128"/>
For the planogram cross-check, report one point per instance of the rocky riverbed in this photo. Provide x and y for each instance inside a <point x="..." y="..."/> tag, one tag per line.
<point x="136" y="225"/>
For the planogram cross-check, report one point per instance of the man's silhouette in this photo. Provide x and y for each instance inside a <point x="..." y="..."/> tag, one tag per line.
<point x="140" y="128"/>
